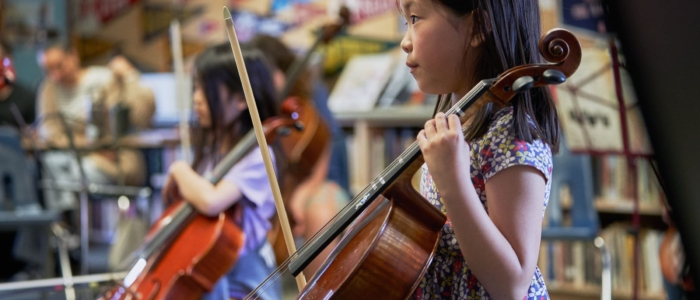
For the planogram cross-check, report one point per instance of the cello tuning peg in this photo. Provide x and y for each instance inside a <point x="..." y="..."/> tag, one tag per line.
<point x="553" y="76"/>
<point x="284" y="131"/>
<point x="299" y="126"/>
<point x="523" y="84"/>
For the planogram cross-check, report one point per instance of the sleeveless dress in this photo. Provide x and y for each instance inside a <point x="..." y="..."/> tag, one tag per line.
<point x="448" y="276"/>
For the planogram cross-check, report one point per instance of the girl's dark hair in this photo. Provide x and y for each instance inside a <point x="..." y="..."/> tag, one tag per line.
<point x="512" y="31"/>
<point x="216" y="66"/>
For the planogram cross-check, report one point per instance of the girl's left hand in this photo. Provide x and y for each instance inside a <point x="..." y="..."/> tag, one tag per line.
<point x="171" y="190"/>
<point x="444" y="149"/>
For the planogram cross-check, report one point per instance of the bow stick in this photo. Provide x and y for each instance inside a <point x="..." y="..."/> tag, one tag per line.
<point x="257" y="125"/>
<point x="183" y="108"/>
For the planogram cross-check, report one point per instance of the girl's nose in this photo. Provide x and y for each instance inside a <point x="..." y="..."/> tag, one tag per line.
<point x="406" y="44"/>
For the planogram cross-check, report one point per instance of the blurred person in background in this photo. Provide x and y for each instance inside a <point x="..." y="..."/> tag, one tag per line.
<point x="77" y="101"/>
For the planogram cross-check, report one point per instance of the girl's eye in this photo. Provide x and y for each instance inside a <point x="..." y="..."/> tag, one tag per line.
<point x="413" y="20"/>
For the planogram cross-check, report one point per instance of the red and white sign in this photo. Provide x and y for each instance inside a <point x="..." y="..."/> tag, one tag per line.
<point x="104" y="10"/>
<point x="364" y="9"/>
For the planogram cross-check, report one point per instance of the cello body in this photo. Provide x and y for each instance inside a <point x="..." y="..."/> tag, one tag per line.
<point x="185" y="253"/>
<point x="378" y="245"/>
<point x="201" y="254"/>
<point x="302" y="149"/>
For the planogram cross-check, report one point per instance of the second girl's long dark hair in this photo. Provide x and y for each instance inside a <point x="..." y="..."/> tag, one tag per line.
<point x="216" y="66"/>
<point x="512" y="31"/>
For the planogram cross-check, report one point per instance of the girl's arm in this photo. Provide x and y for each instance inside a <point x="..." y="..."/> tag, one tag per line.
<point x="207" y="198"/>
<point x="500" y="247"/>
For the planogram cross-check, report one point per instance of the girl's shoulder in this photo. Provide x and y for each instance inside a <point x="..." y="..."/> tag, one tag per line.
<point x="500" y="126"/>
<point x="499" y="149"/>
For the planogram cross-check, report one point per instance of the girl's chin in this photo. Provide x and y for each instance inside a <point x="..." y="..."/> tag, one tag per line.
<point x="430" y="89"/>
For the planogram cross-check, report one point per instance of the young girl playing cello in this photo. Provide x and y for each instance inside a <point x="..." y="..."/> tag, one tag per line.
<point x="494" y="187"/>
<point x="224" y="119"/>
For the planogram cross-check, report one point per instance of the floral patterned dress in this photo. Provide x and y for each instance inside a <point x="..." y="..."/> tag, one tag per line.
<point x="448" y="276"/>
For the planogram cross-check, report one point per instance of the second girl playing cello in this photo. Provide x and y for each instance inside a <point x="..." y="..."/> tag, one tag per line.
<point x="223" y="118"/>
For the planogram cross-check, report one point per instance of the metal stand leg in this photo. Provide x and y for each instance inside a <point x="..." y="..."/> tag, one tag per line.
<point x="84" y="241"/>
<point x="66" y="273"/>
<point x="606" y="282"/>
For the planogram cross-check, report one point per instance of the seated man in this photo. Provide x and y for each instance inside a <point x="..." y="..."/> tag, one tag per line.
<point x="76" y="101"/>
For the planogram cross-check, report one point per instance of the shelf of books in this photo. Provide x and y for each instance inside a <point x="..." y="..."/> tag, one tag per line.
<point x="573" y="269"/>
<point x="372" y="147"/>
<point x="573" y="292"/>
<point x="615" y="187"/>
<point x="625" y="206"/>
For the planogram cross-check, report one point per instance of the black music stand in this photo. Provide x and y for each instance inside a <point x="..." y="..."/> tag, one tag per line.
<point x="662" y="41"/>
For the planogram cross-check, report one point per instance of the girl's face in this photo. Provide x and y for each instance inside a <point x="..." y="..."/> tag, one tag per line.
<point x="436" y="42"/>
<point x="232" y="104"/>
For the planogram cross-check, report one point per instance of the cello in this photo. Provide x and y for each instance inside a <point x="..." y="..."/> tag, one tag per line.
<point x="303" y="149"/>
<point x="198" y="249"/>
<point x="391" y="231"/>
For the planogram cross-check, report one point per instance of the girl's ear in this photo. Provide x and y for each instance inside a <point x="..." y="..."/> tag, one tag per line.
<point x="478" y="36"/>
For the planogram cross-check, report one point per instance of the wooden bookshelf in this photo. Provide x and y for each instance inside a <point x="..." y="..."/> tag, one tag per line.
<point x="604" y="205"/>
<point x="402" y="116"/>
<point x="590" y="292"/>
<point x="362" y="124"/>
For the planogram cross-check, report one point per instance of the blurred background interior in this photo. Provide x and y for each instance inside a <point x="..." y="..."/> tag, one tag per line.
<point x="81" y="182"/>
